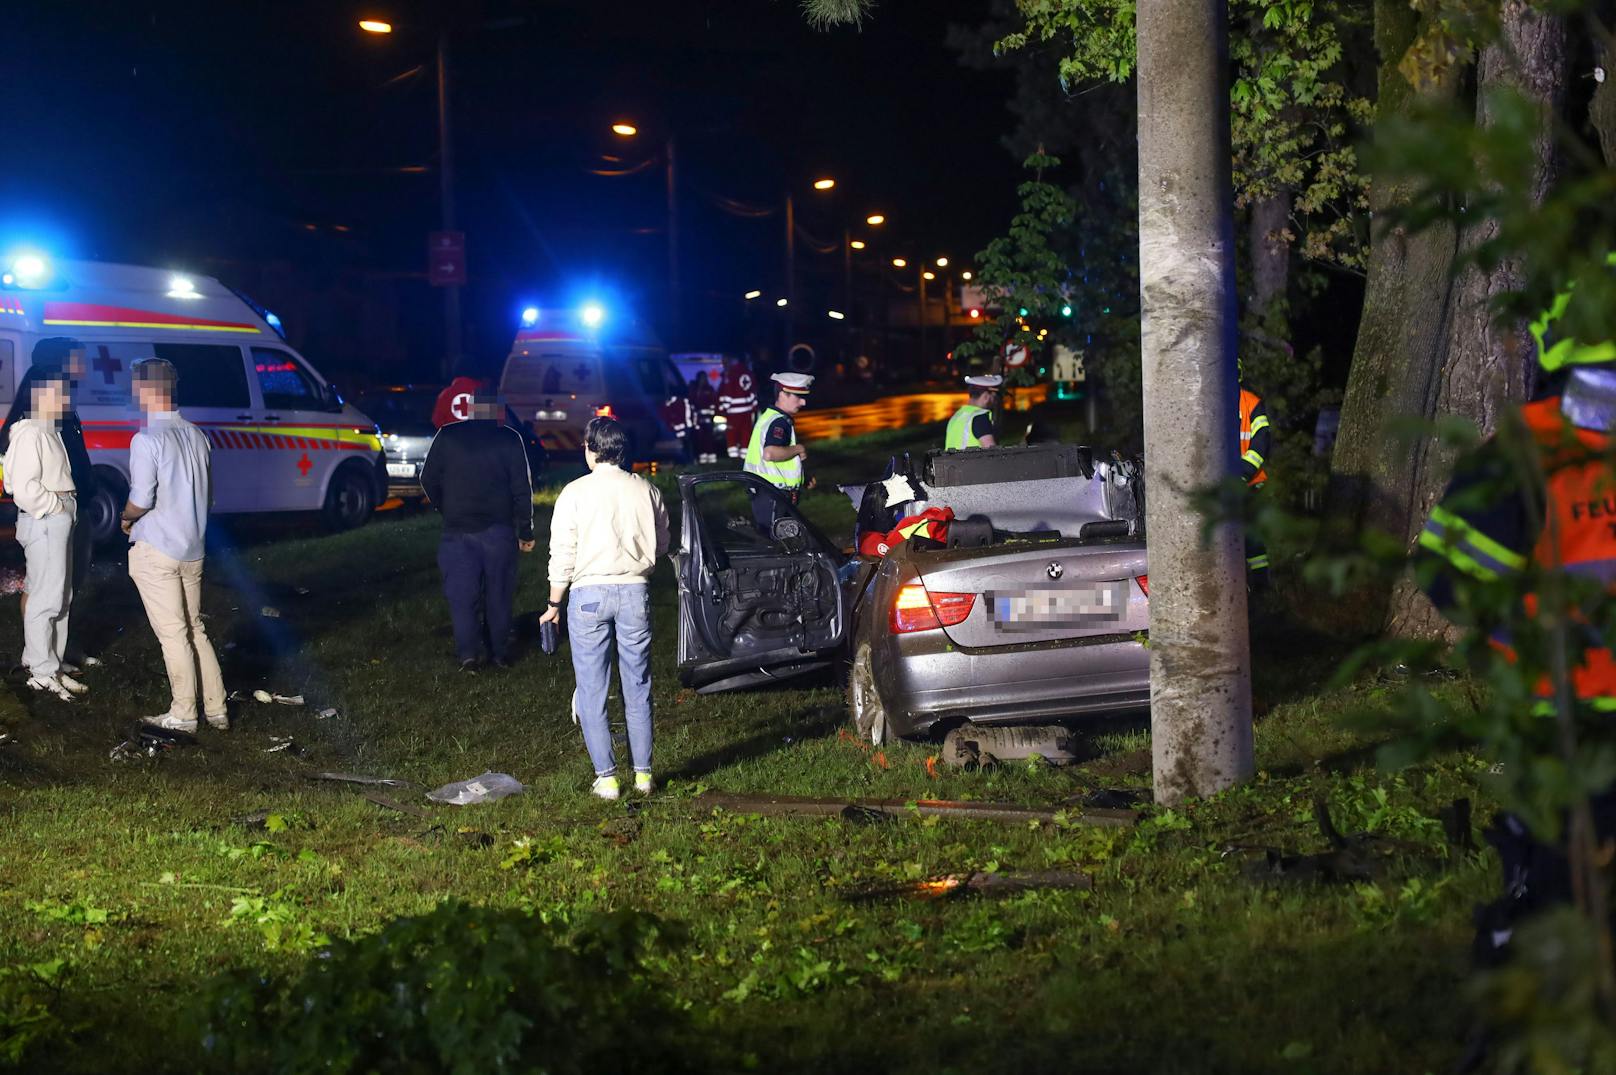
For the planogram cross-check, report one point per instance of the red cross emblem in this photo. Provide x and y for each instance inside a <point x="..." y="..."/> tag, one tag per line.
<point x="106" y="365"/>
<point x="460" y="406"/>
<point x="303" y="465"/>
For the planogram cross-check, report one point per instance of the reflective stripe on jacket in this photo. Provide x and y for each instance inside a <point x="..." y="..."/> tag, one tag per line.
<point x="1253" y="421"/>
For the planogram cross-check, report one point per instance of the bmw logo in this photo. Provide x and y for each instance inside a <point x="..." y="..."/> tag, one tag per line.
<point x="1055" y="569"/>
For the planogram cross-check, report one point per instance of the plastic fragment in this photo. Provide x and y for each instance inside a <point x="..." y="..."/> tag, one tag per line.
<point x="485" y="788"/>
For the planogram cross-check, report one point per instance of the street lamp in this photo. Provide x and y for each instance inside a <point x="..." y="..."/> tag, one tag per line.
<point x="750" y="295"/>
<point x="836" y="315"/>
<point x="825" y="184"/>
<point x="625" y="130"/>
<point x="899" y="263"/>
<point x="928" y="275"/>
<point x="451" y="292"/>
<point x="857" y="244"/>
<point x="942" y="263"/>
<point x="782" y="302"/>
<point x="966" y="275"/>
<point x="875" y="220"/>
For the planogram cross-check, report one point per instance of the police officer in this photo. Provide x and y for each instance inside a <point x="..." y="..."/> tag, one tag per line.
<point x="1501" y="515"/>
<point x="1255" y="441"/>
<point x="973" y="424"/>
<point x="773" y="453"/>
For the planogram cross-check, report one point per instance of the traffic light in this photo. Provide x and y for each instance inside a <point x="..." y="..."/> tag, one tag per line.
<point x="1066" y="311"/>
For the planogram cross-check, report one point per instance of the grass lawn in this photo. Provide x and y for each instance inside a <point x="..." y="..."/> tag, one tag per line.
<point x="138" y="877"/>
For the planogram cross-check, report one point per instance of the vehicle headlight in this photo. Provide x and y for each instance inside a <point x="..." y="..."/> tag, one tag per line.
<point x="550" y="416"/>
<point x="720" y="422"/>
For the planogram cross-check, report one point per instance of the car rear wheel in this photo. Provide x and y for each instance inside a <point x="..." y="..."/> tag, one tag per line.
<point x="101" y="512"/>
<point x="869" y="715"/>
<point x="349" y="500"/>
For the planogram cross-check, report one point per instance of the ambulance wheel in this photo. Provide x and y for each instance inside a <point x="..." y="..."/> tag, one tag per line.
<point x="101" y="512"/>
<point x="350" y="499"/>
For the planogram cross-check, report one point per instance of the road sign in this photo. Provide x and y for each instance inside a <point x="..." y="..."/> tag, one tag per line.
<point x="1015" y="355"/>
<point x="446" y="259"/>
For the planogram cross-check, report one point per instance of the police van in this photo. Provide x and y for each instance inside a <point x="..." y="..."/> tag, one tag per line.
<point x="282" y="438"/>
<point x="568" y="365"/>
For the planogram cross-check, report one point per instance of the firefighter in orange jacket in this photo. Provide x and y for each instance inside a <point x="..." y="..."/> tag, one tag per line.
<point x="1502" y="515"/>
<point x="1256" y="439"/>
<point x="737" y="402"/>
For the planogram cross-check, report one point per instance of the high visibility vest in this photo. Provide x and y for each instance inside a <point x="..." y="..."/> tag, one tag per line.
<point x="1250" y="401"/>
<point x="786" y="475"/>
<point x="959" y="433"/>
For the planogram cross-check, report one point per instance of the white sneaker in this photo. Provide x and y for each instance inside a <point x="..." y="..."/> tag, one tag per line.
<point x="643" y="783"/>
<point x="74" y="668"/>
<point x="220" y="722"/>
<point x="71" y="684"/>
<point x="605" y="787"/>
<point x="170" y="723"/>
<point x="51" y="684"/>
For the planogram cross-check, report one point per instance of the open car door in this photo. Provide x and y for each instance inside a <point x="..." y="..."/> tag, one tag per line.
<point x="760" y="590"/>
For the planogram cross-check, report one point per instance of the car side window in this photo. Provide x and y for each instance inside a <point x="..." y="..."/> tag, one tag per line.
<point x="210" y="375"/>
<point x="285" y="384"/>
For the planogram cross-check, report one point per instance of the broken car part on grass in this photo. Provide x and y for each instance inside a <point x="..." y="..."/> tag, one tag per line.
<point x="872" y="809"/>
<point x="976" y="883"/>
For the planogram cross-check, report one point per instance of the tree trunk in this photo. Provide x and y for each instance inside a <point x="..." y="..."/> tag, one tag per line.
<point x="1602" y="106"/>
<point x="1270" y="250"/>
<point x="1200" y="661"/>
<point x="1487" y="366"/>
<point x="1401" y="336"/>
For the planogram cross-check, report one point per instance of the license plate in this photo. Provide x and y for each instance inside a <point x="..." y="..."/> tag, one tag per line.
<point x="1071" y="606"/>
<point x="401" y="470"/>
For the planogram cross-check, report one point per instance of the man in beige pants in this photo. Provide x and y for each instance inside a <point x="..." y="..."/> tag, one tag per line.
<point x="167" y="522"/>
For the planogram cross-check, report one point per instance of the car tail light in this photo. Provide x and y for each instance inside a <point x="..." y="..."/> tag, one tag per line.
<point x="1144" y="583"/>
<point x="914" y="609"/>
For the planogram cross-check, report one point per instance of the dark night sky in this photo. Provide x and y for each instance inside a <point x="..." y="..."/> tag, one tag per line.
<point x="216" y="135"/>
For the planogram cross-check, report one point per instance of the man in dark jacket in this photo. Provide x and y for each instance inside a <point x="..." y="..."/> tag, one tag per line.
<point x="476" y="475"/>
<point x="64" y="354"/>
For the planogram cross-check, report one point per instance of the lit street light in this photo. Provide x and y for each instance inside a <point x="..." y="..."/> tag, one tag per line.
<point x="836" y="315"/>
<point x="625" y="130"/>
<point x="824" y="184"/>
<point x="899" y="263"/>
<point x="857" y="244"/>
<point x="942" y="263"/>
<point x="875" y="220"/>
<point x="375" y="26"/>
<point x="750" y="295"/>
<point x="928" y="275"/>
<point x="782" y="302"/>
<point x="966" y="275"/>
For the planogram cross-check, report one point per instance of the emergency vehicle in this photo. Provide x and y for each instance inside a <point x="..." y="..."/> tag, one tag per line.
<point x="568" y="365"/>
<point x="283" y="439"/>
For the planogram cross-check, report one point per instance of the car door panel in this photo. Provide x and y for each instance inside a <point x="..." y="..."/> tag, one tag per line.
<point x="750" y="599"/>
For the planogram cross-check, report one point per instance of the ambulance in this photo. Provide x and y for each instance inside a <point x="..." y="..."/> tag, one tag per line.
<point x="283" y="439"/>
<point x="568" y="365"/>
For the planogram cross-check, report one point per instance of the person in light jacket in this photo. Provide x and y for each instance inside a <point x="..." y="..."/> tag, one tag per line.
<point x="607" y="533"/>
<point x="40" y="479"/>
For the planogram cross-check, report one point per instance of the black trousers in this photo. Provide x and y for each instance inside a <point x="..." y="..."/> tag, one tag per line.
<point x="479" y="580"/>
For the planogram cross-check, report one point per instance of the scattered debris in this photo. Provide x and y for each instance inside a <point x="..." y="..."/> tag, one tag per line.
<point x="7" y="739"/>
<point x="1117" y="798"/>
<point x="325" y="714"/>
<point x="393" y="804"/>
<point x="971" y="747"/>
<point x="270" y="612"/>
<point x="258" y="819"/>
<point x="351" y="778"/>
<point x="280" y="699"/>
<point x="286" y="743"/>
<point x="869" y="809"/>
<point x="1350" y="858"/>
<point x="486" y="788"/>
<point x="977" y="883"/>
<point x="148" y="741"/>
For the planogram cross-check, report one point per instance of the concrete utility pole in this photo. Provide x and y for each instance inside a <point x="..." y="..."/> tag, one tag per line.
<point x="1200" y="652"/>
<point x="453" y="347"/>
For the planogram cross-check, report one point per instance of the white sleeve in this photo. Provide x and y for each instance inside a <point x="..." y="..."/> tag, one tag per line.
<point x="23" y="467"/>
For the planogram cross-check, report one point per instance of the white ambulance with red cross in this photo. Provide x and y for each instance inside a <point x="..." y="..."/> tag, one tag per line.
<point x="283" y="439"/>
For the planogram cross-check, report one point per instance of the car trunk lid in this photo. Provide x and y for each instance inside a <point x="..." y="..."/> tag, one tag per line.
<point x="1038" y="591"/>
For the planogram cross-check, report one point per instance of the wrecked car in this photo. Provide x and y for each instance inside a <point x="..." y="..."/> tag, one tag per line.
<point x="1018" y="593"/>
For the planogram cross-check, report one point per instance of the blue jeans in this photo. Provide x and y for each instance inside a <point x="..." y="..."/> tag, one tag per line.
<point x="594" y="614"/>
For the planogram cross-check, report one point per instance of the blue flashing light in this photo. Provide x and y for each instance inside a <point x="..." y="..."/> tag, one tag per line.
<point x="530" y="316"/>
<point x="592" y="314"/>
<point x="26" y="270"/>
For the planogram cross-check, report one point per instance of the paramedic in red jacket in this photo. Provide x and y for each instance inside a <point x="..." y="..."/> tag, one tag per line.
<point x="737" y="402"/>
